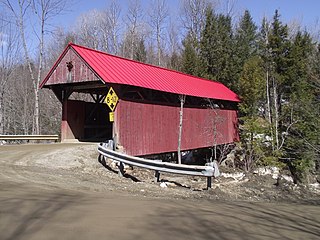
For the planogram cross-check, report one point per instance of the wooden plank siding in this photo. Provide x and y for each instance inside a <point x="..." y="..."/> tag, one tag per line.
<point x="144" y="129"/>
<point x="80" y="72"/>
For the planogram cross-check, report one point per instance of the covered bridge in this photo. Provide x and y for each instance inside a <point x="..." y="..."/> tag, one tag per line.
<point x="137" y="105"/>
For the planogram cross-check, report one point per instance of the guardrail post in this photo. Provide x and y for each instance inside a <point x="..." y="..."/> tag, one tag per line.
<point x="208" y="182"/>
<point x="121" y="169"/>
<point x="157" y="176"/>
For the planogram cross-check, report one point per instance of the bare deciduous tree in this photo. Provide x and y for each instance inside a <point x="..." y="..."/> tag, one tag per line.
<point x="134" y="32"/>
<point x="193" y="16"/>
<point x="9" y="47"/>
<point x="113" y="14"/>
<point x="19" y="101"/>
<point x="228" y="7"/>
<point x="99" y="29"/>
<point x="158" y="17"/>
<point x="173" y="38"/>
<point x="44" y="10"/>
<point x="92" y="29"/>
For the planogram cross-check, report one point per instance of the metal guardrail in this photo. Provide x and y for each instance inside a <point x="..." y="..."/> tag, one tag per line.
<point x="29" y="137"/>
<point x="158" y="166"/>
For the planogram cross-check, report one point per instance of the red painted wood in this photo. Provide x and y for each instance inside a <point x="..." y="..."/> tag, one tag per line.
<point x="80" y="72"/>
<point x="144" y="129"/>
<point x="73" y="114"/>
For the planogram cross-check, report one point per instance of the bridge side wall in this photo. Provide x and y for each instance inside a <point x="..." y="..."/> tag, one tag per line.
<point x="143" y="129"/>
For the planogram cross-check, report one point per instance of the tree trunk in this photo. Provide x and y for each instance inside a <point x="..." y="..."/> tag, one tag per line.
<point x="28" y="60"/>
<point x="269" y="108"/>
<point x="158" y="46"/>
<point x="182" y="99"/>
<point x="276" y="113"/>
<point x="1" y="114"/>
<point x="37" y="82"/>
<point x="25" y="116"/>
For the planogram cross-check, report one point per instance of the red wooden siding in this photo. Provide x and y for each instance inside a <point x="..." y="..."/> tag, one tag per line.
<point x="79" y="72"/>
<point x="144" y="129"/>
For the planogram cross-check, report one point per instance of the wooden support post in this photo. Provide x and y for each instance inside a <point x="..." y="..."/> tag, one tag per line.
<point x="209" y="182"/>
<point x="121" y="169"/>
<point x="157" y="176"/>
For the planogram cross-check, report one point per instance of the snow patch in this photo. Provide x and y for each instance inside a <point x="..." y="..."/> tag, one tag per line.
<point x="163" y="185"/>
<point x="315" y="187"/>
<point x="235" y="176"/>
<point x="274" y="171"/>
<point x="287" y="178"/>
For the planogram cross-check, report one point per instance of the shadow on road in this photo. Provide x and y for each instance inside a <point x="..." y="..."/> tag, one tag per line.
<point x="245" y="220"/>
<point x="32" y="212"/>
<point x="27" y="212"/>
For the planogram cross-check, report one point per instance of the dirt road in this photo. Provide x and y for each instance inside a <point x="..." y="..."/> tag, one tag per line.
<point x="60" y="191"/>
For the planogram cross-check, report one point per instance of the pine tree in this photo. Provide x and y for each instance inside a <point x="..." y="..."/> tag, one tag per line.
<point x="278" y="47"/>
<point x="251" y="85"/>
<point x="254" y="127"/>
<point x="245" y="43"/>
<point x="264" y="53"/>
<point x="175" y="61"/>
<point x="216" y="49"/>
<point x="291" y="107"/>
<point x="140" y="54"/>
<point x="315" y="84"/>
<point x="189" y="57"/>
<point x="301" y="111"/>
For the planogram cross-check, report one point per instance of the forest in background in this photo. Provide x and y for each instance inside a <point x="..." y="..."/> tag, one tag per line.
<point x="274" y="67"/>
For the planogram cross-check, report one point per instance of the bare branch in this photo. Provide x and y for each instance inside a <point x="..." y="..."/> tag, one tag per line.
<point x="158" y="16"/>
<point x="193" y="16"/>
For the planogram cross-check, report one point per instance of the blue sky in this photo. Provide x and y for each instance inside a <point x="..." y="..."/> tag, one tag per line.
<point x="306" y="12"/>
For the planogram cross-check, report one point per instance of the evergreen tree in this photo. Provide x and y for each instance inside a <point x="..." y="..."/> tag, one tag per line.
<point x="278" y="47"/>
<point x="245" y="43"/>
<point x="189" y="57"/>
<point x="251" y="85"/>
<point x="175" y="62"/>
<point x="254" y="127"/>
<point x="264" y="53"/>
<point x="301" y="111"/>
<point x="315" y="84"/>
<point x="216" y="49"/>
<point x="291" y="107"/>
<point x="140" y="53"/>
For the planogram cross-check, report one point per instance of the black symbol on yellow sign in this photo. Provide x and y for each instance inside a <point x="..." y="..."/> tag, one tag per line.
<point x="111" y="99"/>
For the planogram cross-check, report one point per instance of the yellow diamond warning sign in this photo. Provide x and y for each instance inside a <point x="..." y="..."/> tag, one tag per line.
<point x="111" y="99"/>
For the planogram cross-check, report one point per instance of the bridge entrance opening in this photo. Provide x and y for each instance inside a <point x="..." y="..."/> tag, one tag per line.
<point x="97" y="126"/>
<point x="85" y="120"/>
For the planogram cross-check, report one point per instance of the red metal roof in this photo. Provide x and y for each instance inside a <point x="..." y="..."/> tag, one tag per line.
<point x="114" y="69"/>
